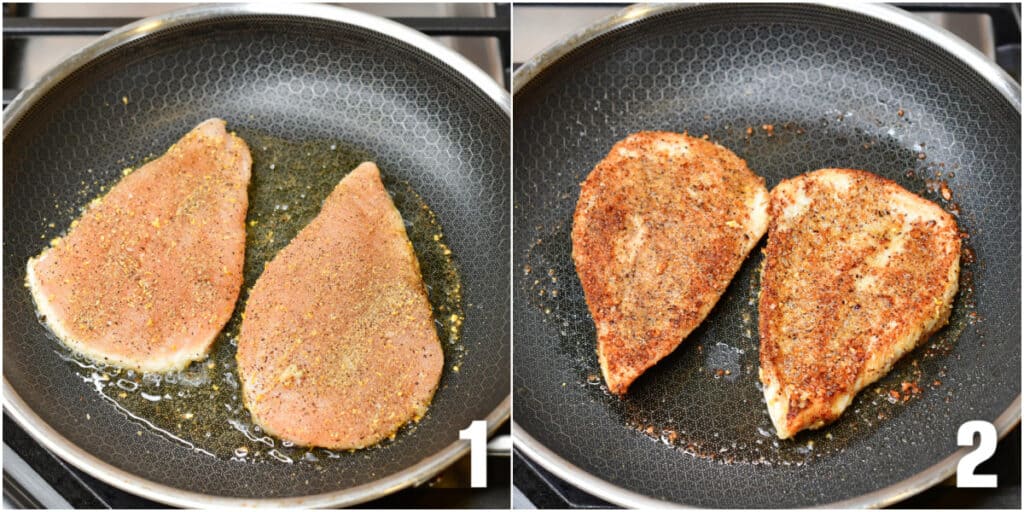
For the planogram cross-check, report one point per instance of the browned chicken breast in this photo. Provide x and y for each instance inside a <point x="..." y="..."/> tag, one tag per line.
<point x="150" y="273"/>
<point x="662" y="225"/>
<point x="337" y="347"/>
<point x="858" y="271"/>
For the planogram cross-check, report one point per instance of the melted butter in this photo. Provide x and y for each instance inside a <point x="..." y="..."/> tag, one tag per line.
<point x="200" y="407"/>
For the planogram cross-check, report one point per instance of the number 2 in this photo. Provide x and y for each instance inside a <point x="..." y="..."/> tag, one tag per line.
<point x="477" y="435"/>
<point x="965" y="476"/>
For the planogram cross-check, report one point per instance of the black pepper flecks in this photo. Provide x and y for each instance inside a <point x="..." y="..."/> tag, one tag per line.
<point x="748" y="437"/>
<point x="202" y="405"/>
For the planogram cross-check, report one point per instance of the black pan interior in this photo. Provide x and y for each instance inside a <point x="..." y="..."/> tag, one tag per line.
<point x="295" y="79"/>
<point x="838" y="90"/>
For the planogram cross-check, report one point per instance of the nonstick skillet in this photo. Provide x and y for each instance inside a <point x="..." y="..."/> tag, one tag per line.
<point x="433" y="122"/>
<point x="790" y="88"/>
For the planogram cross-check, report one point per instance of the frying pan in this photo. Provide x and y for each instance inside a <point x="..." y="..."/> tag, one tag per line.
<point x="295" y="72"/>
<point x="864" y="86"/>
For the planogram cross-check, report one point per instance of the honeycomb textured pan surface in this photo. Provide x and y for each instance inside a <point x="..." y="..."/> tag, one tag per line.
<point x="817" y="87"/>
<point x="292" y="78"/>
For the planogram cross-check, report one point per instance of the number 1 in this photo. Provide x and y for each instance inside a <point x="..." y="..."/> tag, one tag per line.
<point x="477" y="435"/>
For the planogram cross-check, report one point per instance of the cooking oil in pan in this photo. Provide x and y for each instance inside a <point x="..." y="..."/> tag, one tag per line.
<point x="201" y="407"/>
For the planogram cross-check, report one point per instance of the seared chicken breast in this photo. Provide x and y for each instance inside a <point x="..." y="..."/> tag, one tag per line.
<point x="857" y="272"/>
<point x="661" y="226"/>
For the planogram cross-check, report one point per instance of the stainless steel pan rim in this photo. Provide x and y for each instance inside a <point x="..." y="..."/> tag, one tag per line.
<point x="946" y="40"/>
<point x="888" y="495"/>
<point x="58" y="444"/>
<point x="27" y="97"/>
<point x="884" y="497"/>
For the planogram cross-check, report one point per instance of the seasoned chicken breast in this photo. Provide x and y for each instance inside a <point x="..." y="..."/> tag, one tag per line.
<point x="661" y="226"/>
<point x="337" y="347"/>
<point x="857" y="272"/>
<point x="150" y="273"/>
